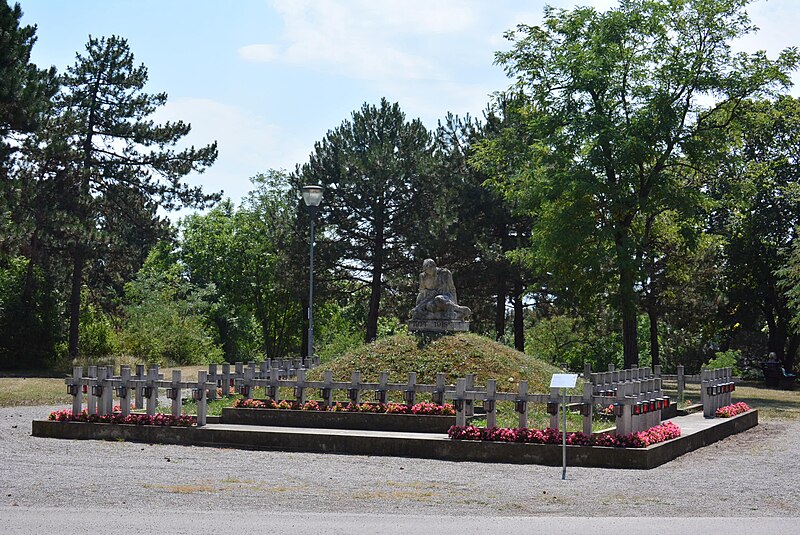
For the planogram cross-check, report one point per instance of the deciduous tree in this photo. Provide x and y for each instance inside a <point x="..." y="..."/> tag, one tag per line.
<point x="616" y="100"/>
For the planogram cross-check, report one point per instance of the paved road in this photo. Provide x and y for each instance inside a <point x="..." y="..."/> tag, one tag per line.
<point x="27" y="521"/>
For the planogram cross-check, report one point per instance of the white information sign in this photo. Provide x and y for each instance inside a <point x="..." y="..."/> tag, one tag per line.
<point x="564" y="380"/>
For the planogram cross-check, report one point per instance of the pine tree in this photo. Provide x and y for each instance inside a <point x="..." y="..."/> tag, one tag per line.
<point x="378" y="197"/>
<point x="25" y="90"/>
<point x="118" y="160"/>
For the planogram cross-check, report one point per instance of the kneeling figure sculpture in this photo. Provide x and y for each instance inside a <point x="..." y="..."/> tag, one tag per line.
<point x="437" y="308"/>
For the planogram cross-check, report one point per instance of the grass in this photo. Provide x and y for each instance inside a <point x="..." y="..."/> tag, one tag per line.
<point x="456" y="356"/>
<point x="772" y="403"/>
<point x="190" y="406"/>
<point x="538" y="418"/>
<point x="16" y="391"/>
<point x="32" y="390"/>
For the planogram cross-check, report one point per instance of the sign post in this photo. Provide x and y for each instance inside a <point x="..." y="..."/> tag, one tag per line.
<point x="564" y="381"/>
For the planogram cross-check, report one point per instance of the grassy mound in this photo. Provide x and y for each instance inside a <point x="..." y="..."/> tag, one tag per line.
<point x="456" y="355"/>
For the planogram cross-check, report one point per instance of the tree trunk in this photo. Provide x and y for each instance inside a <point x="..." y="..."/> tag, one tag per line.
<point x="81" y="252"/>
<point x="791" y="353"/>
<point x="519" y="317"/>
<point x="776" y="340"/>
<point x="75" y="303"/>
<point x="630" y="333"/>
<point x="627" y="298"/>
<point x="654" y="349"/>
<point x="374" y="306"/>
<point x="375" y="285"/>
<point x="500" y="310"/>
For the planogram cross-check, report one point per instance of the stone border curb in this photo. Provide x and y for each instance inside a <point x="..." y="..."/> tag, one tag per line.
<point x="429" y="446"/>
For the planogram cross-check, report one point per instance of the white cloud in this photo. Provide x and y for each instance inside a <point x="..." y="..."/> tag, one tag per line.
<point x="259" y="53"/>
<point x="247" y="144"/>
<point x="420" y="16"/>
<point x="365" y="39"/>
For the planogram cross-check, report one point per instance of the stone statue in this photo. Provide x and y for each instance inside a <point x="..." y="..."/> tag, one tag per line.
<point x="437" y="307"/>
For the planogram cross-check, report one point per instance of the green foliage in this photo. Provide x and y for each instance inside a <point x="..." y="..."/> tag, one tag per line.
<point x="726" y="359"/>
<point x="789" y="280"/>
<point x="337" y="330"/>
<point x="107" y="115"/>
<point x="569" y="342"/>
<point x="378" y="198"/>
<point x="119" y="166"/>
<point x="638" y="175"/>
<point x="390" y="326"/>
<point x="613" y="108"/>
<point x="97" y="335"/>
<point x="24" y="89"/>
<point x="166" y="320"/>
<point x="29" y="316"/>
<point x="250" y="255"/>
<point x="477" y="228"/>
<point x="760" y="209"/>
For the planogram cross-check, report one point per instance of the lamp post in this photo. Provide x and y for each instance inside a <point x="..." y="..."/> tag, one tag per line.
<point x="312" y="196"/>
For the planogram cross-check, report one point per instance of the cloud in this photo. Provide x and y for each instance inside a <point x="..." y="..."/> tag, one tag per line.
<point x="365" y="39"/>
<point x="259" y="53"/>
<point x="247" y="144"/>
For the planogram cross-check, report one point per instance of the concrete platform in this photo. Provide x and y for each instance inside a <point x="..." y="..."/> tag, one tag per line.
<point x="696" y="433"/>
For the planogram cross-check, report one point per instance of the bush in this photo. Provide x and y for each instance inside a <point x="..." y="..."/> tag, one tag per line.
<point x="165" y="322"/>
<point x="337" y="331"/>
<point x="96" y="335"/>
<point x="726" y="359"/>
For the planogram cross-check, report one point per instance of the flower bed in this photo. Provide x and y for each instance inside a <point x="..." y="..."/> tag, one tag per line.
<point x="427" y="409"/>
<point x="642" y="439"/>
<point x="164" y="420"/>
<point x="732" y="410"/>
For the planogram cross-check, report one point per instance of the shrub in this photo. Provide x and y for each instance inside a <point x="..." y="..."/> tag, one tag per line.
<point x="96" y="335"/>
<point x="726" y="359"/>
<point x="165" y="321"/>
<point x="564" y="340"/>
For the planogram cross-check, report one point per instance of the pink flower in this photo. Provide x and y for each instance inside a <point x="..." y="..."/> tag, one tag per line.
<point x="642" y="439"/>
<point x="730" y="411"/>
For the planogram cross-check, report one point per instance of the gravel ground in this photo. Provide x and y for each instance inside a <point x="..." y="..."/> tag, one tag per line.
<point x="752" y="474"/>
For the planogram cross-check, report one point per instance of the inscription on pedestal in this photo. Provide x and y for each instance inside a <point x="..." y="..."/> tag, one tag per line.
<point x="438" y="326"/>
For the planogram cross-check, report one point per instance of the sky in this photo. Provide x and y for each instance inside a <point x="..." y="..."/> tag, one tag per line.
<point x="267" y="79"/>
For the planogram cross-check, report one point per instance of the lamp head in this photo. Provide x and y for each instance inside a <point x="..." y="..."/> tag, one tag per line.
<point x="312" y="195"/>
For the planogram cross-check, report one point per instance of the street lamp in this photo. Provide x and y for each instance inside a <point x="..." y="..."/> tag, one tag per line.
<point x="312" y="196"/>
